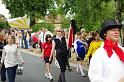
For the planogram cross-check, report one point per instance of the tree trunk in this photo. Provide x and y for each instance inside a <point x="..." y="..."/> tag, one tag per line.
<point x="32" y="22"/>
<point x="118" y="11"/>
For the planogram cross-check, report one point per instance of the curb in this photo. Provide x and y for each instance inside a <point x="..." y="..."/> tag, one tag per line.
<point x="39" y="55"/>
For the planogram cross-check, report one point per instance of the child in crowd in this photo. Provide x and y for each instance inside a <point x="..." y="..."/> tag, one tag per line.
<point x="46" y="50"/>
<point x="80" y="52"/>
<point x="11" y="57"/>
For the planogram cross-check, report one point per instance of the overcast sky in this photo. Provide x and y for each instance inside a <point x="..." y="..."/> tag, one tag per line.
<point x="4" y="11"/>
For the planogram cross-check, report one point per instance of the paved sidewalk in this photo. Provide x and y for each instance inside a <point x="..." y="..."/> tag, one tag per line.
<point x="37" y="52"/>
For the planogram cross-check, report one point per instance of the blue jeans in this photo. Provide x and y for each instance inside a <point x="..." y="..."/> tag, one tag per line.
<point x="11" y="73"/>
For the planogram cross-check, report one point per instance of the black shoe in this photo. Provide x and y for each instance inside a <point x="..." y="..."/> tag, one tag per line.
<point x="59" y="79"/>
<point x="69" y="69"/>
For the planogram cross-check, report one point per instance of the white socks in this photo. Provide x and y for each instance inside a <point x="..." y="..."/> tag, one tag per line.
<point x="81" y="69"/>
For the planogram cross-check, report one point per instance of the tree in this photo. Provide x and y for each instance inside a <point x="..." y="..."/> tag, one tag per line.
<point x="32" y="8"/>
<point x="89" y="14"/>
<point x="119" y="8"/>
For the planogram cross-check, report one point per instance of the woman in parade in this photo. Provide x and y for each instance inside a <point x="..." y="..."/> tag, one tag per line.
<point x="94" y="45"/>
<point x="59" y="44"/>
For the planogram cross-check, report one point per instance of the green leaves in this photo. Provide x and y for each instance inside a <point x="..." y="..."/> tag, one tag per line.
<point x="88" y="14"/>
<point x="31" y="8"/>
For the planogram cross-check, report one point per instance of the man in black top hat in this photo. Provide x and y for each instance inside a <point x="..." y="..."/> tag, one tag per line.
<point x="107" y="63"/>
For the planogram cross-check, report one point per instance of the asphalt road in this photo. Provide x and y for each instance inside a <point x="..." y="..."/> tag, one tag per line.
<point x="34" y="71"/>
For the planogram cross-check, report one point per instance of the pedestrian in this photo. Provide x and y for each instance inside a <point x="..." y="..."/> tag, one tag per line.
<point x="107" y="63"/>
<point x="46" y="50"/>
<point x="2" y="39"/>
<point x="80" y="50"/>
<point x="42" y="35"/>
<point x="10" y="59"/>
<point x="35" y="40"/>
<point x="1" y="42"/>
<point x="55" y="60"/>
<point x="65" y="34"/>
<point x="94" y="45"/>
<point x="19" y="36"/>
<point x="59" y="44"/>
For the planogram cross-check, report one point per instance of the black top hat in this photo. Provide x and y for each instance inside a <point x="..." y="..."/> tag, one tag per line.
<point x="107" y="25"/>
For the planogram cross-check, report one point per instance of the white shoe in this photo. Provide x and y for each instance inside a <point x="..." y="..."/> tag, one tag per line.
<point x="77" y="70"/>
<point x="83" y="75"/>
<point x="58" y="67"/>
<point x="45" y="75"/>
<point x="50" y="76"/>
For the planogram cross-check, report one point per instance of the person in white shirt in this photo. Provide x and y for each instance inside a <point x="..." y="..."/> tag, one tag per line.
<point x="42" y="34"/>
<point x="10" y="59"/>
<point x="107" y="63"/>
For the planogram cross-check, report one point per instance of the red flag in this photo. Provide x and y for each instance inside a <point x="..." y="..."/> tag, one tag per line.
<point x="70" y="37"/>
<point x="72" y="32"/>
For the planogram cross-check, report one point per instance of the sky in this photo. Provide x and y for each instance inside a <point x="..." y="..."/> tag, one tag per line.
<point x="4" y="11"/>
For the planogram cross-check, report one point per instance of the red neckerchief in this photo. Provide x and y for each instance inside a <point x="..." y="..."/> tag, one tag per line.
<point x="108" y="46"/>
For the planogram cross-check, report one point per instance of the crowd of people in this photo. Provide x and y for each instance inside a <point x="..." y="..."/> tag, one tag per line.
<point x="102" y="51"/>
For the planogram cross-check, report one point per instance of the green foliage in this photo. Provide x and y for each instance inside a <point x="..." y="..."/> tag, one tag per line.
<point x="32" y="8"/>
<point x="4" y="25"/>
<point x="38" y="26"/>
<point x="89" y="14"/>
<point x="29" y="7"/>
<point x="66" y="23"/>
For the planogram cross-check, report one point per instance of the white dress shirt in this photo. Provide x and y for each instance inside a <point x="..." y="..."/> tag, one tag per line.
<point x="105" y="69"/>
<point x="11" y="56"/>
<point x="42" y="36"/>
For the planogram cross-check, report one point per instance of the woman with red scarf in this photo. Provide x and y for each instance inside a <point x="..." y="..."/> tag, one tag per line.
<point x="107" y="63"/>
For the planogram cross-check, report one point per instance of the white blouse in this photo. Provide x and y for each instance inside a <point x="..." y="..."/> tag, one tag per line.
<point x="11" y="56"/>
<point x="105" y="69"/>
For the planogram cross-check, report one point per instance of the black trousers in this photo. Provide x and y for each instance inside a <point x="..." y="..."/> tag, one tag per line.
<point x="34" y="45"/>
<point x="40" y="44"/>
<point x="62" y="60"/>
<point x="3" y="73"/>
